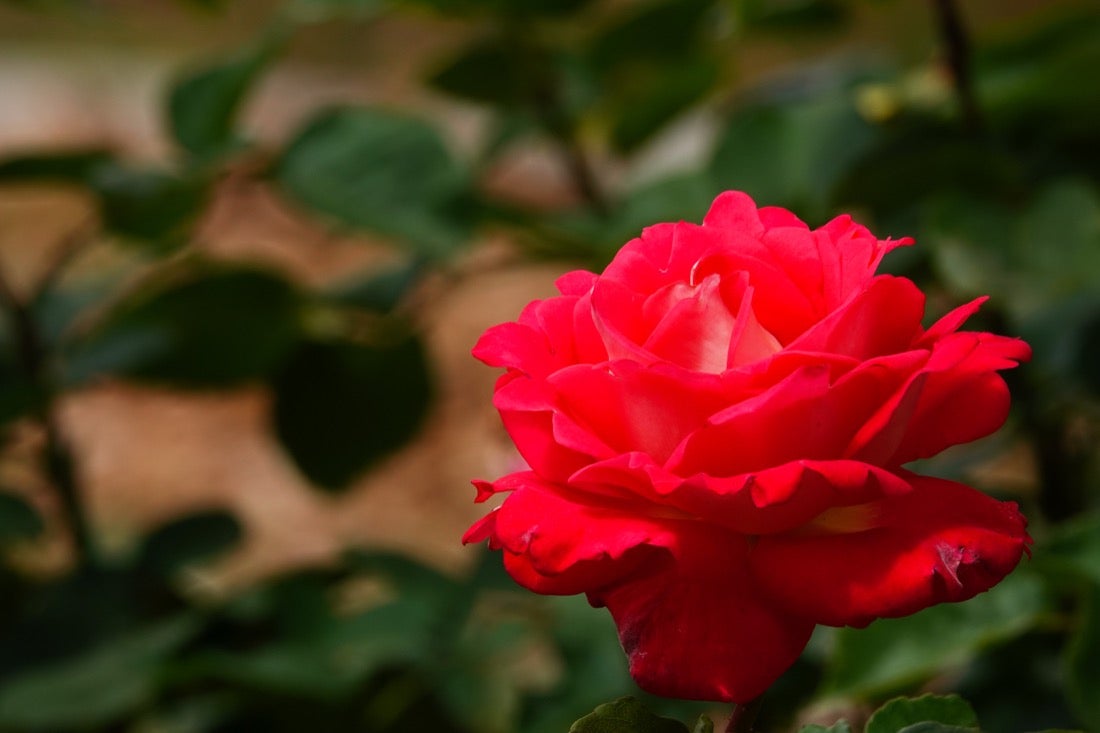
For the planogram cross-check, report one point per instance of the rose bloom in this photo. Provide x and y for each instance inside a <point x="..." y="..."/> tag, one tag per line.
<point x="717" y="429"/>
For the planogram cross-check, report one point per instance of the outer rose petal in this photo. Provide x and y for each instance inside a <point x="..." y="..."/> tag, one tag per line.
<point x="963" y="398"/>
<point x="555" y="544"/>
<point x="941" y="542"/>
<point x="695" y="627"/>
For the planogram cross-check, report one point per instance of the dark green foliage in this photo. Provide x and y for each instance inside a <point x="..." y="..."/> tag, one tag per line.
<point x="188" y="541"/>
<point x="212" y="327"/>
<point x="18" y="519"/>
<point x="339" y="407"/>
<point x="203" y="105"/>
<point x="380" y="171"/>
<point x="147" y="205"/>
<point x="899" y="714"/>
<point x="626" y="714"/>
<point x="133" y="638"/>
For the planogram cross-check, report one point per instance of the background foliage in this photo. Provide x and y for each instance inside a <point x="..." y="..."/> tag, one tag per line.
<point x="982" y="144"/>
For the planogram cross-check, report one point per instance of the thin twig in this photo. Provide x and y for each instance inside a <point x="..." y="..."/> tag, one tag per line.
<point x="744" y="715"/>
<point x="956" y="43"/>
<point x="71" y="245"/>
<point x="32" y="353"/>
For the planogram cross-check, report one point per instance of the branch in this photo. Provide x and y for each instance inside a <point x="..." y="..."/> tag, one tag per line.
<point x="32" y="354"/>
<point x="744" y="715"/>
<point x="956" y="43"/>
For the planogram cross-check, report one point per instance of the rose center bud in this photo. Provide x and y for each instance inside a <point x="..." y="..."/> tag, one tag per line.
<point x="706" y="324"/>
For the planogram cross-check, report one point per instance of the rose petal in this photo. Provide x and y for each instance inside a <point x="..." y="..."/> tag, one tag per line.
<point x="883" y="319"/>
<point x="630" y="407"/>
<point x="758" y="433"/>
<point x="782" y="498"/>
<point x="694" y="626"/>
<point x="559" y="545"/>
<point x="943" y="541"/>
<point x="963" y="398"/>
<point x="549" y="443"/>
<point x="696" y="331"/>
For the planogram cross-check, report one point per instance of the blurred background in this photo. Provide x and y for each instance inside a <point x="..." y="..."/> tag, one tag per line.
<point x="246" y="247"/>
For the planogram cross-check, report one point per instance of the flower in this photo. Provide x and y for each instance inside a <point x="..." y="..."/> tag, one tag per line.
<point x="717" y="429"/>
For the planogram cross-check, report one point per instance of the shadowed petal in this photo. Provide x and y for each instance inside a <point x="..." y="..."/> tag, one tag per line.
<point x="942" y="541"/>
<point x="695" y="627"/>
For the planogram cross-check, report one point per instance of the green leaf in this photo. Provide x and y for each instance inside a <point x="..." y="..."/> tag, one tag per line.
<point x="595" y="666"/>
<point x="324" y="10"/>
<point x="214" y="328"/>
<point x="625" y="715"/>
<point x="530" y="8"/>
<point x="1030" y="257"/>
<point x="793" y="155"/>
<point x="190" y="540"/>
<point x="378" y="291"/>
<point x="146" y="204"/>
<point x="1074" y="546"/>
<point x="892" y="653"/>
<point x="497" y="70"/>
<point x="657" y="32"/>
<point x="339" y="407"/>
<point x="789" y="15"/>
<point x="74" y="167"/>
<point x="18" y="395"/>
<point x="203" y="104"/>
<point x="841" y="726"/>
<point x="18" y="519"/>
<point x="902" y="712"/>
<point x="1083" y="661"/>
<point x="651" y="100"/>
<point x="96" y="688"/>
<point x="703" y="725"/>
<point x="379" y="171"/>
<point x="905" y="168"/>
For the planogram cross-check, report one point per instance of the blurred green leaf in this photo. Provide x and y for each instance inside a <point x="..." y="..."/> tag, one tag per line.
<point x="503" y="7"/>
<point x="380" y="291"/>
<point x="625" y="715"/>
<point x="18" y="519"/>
<point x="1032" y="80"/>
<point x="703" y="725"/>
<point x="1074" y="546"/>
<point x="323" y="10"/>
<point x="379" y="171"/>
<point x="651" y="100"/>
<point x="910" y="166"/>
<point x="902" y="713"/>
<point x="96" y="688"/>
<point x="1083" y="661"/>
<point x="1029" y="258"/>
<point x="662" y="31"/>
<point x="793" y="155"/>
<point x="192" y="539"/>
<point x="596" y="668"/>
<point x="72" y="167"/>
<point x="211" y="329"/>
<point x="203" y="103"/>
<point x="18" y="395"/>
<point x="339" y="407"/>
<point x="787" y="15"/>
<point x="499" y="70"/>
<point x="841" y="726"/>
<point x="332" y="662"/>
<point x="147" y="204"/>
<point x="892" y="653"/>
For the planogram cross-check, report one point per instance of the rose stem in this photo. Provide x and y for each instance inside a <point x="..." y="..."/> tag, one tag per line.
<point x="956" y="43"/>
<point x="744" y="714"/>
<point x="33" y="355"/>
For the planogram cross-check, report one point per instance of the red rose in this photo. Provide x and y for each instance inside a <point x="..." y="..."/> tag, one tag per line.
<point x="717" y="428"/>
